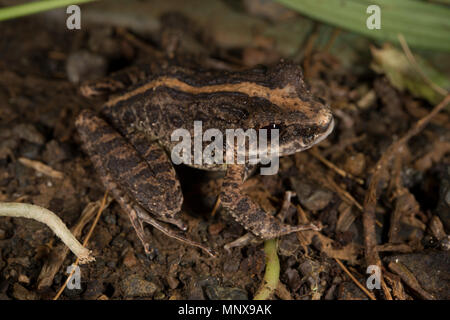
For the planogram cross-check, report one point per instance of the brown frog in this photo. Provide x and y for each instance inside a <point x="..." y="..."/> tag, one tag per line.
<point x="130" y="141"/>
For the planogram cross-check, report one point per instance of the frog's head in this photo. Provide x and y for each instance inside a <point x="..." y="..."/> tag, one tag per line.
<point x="301" y="119"/>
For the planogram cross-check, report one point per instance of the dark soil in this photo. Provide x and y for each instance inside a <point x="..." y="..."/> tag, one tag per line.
<point x="38" y="106"/>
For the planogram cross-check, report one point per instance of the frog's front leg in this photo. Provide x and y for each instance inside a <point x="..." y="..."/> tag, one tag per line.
<point x="136" y="173"/>
<point x="245" y="211"/>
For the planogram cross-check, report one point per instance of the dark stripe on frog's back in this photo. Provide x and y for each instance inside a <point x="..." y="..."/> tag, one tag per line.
<point x="181" y="109"/>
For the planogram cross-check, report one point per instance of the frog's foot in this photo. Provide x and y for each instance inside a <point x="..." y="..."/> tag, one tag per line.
<point x="248" y="213"/>
<point x="145" y="217"/>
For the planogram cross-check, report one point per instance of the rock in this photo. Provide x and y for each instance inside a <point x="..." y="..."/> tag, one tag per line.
<point x="94" y="290"/>
<point x="29" y="133"/>
<point x="350" y="291"/>
<point x="159" y="296"/>
<point x="130" y="259"/>
<point x="311" y="269"/>
<point x="135" y="286"/>
<point x="292" y="279"/>
<point x="215" y="228"/>
<point x="195" y="293"/>
<point x="355" y="164"/>
<point x="312" y="197"/>
<point x="102" y="41"/>
<point x="54" y="153"/>
<point x="20" y="293"/>
<point x="2" y="234"/>
<point x="231" y="264"/>
<point x="83" y="65"/>
<point x="29" y="150"/>
<point x="172" y="281"/>
<point x="289" y="245"/>
<point x="24" y="279"/>
<point x="102" y="237"/>
<point x="110" y="219"/>
<point x="225" y="293"/>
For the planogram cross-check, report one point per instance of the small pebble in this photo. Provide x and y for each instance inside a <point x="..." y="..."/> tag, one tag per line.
<point x="24" y="279"/>
<point x="135" y="286"/>
<point x="130" y="259"/>
<point x="83" y="65"/>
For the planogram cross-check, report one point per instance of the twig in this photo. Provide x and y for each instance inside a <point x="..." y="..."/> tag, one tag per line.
<point x="216" y="206"/>
<point x="42" y="168"/>
<point x="343" y="267"/>
<point x="88" y="236"/>
<point x="333" y="167"/>
<point x="29" y="211"/>
<point x="272" y="274"/>
<point x="345" y="195"/>
<point x="410" y="279"/>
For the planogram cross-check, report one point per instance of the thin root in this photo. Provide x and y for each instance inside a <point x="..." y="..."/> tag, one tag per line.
<point x="23" y="210"/>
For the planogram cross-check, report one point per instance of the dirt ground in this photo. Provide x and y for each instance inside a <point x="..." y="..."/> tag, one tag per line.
<point x="39" y="100"/>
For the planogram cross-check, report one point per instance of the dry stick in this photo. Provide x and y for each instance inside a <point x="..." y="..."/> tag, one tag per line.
<point x="100" y="210"/>
<point x="386" y="291"/>
<point x="343" y="267"/>
<point x="315" y="153"/>
<point x="216" y="206"/>
<point x="23" y="210"/>
<point x="370" y="200"/>
<point x="42" y="168"/>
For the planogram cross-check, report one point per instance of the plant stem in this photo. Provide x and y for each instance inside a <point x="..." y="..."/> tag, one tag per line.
<point x="272" y="274"/>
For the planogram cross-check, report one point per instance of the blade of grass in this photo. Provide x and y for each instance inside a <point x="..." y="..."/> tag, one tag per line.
<point x="35" y="7"/>
<point x="423" y="24"/>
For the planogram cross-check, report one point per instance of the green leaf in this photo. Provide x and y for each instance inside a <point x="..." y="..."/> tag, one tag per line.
<point x="423" y="24"/>
<point x="35" y="7"/>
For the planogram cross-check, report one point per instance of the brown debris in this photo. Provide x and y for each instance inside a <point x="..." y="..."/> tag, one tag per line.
<point x="59" y="253"/>
<point x="409" y="279"/>
<point x="381" y="168"/>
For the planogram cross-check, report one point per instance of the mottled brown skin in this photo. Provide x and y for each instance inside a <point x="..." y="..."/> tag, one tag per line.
<point x="128" y="143"/>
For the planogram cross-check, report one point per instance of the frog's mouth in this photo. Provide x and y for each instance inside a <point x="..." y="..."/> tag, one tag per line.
<point x="295" y="139"/>
<point x="327" y="132"/>
<point x="291" y="139"/>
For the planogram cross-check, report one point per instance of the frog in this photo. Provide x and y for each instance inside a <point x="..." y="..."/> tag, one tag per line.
<point x="129" y="140"/>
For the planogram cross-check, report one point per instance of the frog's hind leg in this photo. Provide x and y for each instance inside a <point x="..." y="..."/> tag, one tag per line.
<point x="133" y="183"/>
<point x="158" y="160"/>
<point x="248" y="213"/>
